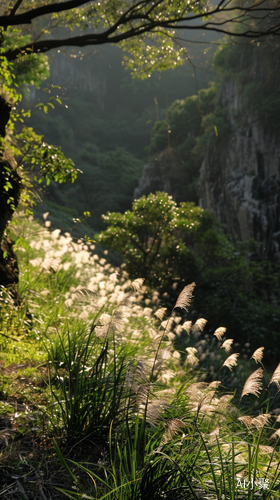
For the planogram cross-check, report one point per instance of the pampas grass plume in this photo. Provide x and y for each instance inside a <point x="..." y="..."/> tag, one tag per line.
<point x="246" y="420"/>
<point x="227" y="344"/>
<point x="231" y="361"/>
<point x="187" y="326"/>
<point x="258" y="355"/>
<point x="160" y="313"/>
<point x="185" y="297"/>
<point x="220" y="332"/>
<point x="252" y="384"/>
<point x="199" y="324"/>
<point x="137" y="284"/>
<point x="276" y="377"/>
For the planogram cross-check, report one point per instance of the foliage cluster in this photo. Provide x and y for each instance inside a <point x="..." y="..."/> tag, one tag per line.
<point x="193" y="125"/>
<point x="255" y="68"/>
<point x="171" y="245"/>
<point x="24" y="149"/>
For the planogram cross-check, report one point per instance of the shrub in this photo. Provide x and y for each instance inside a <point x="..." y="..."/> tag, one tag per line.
<point x="150" y="238"/>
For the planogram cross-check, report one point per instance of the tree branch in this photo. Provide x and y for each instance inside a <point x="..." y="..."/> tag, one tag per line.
<point x="15" y="7"/>
<point x="28" y="16"/>
<point x="135" y="14"/>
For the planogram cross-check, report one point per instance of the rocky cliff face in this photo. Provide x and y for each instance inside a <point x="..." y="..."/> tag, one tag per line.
<point x="241" y="183"/>
<point x="239" y="176"/>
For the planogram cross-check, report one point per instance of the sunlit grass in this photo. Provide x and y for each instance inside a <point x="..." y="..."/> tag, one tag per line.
<point x="146" y="401"/>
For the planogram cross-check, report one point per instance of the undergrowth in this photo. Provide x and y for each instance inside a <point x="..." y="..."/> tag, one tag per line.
<point x="102" y="396"/>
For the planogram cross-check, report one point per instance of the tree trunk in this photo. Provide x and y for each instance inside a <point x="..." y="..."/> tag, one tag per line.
<point x="9" y="198"/>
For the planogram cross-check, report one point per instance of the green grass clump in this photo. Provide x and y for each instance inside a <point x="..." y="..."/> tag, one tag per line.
<point x="102" y="396"/>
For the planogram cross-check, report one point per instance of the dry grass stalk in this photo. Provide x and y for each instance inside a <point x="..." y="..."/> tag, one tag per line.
<point x="83" y="292"/>
<point x="261" y="420"/>
<point x="215" y="384"/>
<point x="276" y="377"/>
<point x="102" y="331"/>
<point x="220" y="332"/>
<point x="231" y="361"/>
<point x="257" y="422"/>
<point x="253" y="384"/>
<point x="191" y="358"/>
<point x="173" y="426"/>
<point x="224" y="401"/>
<point x="258" y="355"/>
<point x="185" y="297"/>
<point x="199" y="325"/>
<point x="137" y="284"/>
<point x="227" y="344"/>
<point x="246" y="421"/>
<point x="275" y="435"/>
<point x="187" y="326"/>
<point x="194" y="391"/>
<point x="160" y="313"/>
<point x="167" y="324"/>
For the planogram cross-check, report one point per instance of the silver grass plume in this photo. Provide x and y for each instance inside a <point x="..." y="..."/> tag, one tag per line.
<point x="160" y="313"/>
<point x="199" y="325"/>
<point x="257" y="422"/>
<point x="253" y="384"/>
<point x="258" y="355"/>
<point x="246" y="420"/>
<point x="231" y="361"/>
<point x="261" y="420"/>
<point x="185" y="297"/>
<point x="191" y="357"/>
<point x="227" y="345"/>
<point x="187" y="326"/>
<point x="137" y="284"/>
<point x="275" y="435"/>
<point x="276" y="377"/>
<point x="81" y="293"/>
<point x="174" y="426"/>
<point x="219" y="332"/>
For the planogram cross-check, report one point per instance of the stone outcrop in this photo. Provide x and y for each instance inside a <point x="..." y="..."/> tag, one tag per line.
<point x="241" y="183"/>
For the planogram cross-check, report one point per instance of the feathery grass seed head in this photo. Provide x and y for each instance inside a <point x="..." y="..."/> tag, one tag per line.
<point x="220" y="332"/>
<point x="227" y="344"/>
<point x="231" y="361"/>
<point x="276" y="377"/>
<point x="258" y="355"/>
<point x="253" y="384"/>
<point x="185" y="297"/>
<point x="160" y="313"/>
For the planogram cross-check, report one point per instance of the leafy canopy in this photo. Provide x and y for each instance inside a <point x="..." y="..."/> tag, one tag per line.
<point x="157" y="23"/>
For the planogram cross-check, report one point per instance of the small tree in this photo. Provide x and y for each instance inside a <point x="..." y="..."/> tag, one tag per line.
<point x="152" y="238"/>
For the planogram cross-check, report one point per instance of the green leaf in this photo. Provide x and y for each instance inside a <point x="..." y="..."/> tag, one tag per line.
<point x="46" y="109"/>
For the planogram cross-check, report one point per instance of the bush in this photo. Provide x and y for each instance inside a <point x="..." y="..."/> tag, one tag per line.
<point x="150" y="238"/>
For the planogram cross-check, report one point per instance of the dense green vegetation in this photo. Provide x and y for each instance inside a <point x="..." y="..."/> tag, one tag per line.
<point x="104" y="392"/>
<point x="172" y="245"/>
<point x="113" y="120"/>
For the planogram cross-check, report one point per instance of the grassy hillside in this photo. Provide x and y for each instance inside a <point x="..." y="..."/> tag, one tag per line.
<point x="96" y="400"/>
